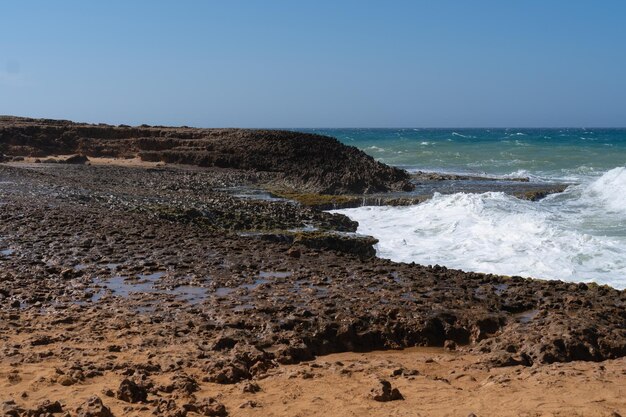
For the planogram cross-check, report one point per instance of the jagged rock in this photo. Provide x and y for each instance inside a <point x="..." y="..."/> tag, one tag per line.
<point x="224" y="342"/>
<point x="66" y="380"/>
<point x="449" y="345"/>
<point x="250" y="387"/>
<point x="76" y="159"/>
<point x="383" y="392"/>
<point x="209" y="407"/>
<point x="93" y="407"/>
<point x="11" y="409"/>
<point x="229" y="373"/>
<point x="168" y="408"/>
<point x="182" y="383"/>
<point x="362" y="246"/>
<point x="42" y="340"/>
<point x="130" y="392"/>
<point x="45" y="408"/>
<point x="249" y="404"/>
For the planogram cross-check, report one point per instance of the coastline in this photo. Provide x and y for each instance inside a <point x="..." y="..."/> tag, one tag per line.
<point x="108" y="269"/>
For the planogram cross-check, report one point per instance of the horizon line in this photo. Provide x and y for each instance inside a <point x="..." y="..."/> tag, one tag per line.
<point x="321" y="127"/>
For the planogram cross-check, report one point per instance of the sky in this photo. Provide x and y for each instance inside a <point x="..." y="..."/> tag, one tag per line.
<point x="316" y="63"/>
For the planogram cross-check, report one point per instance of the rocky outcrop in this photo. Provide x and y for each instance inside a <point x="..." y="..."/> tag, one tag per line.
<point x="130" y="392"/>
<point x="307" y="162"/>
<point x="93" y="407"/>
<point x="362" y="246"/>
<point x="208" y="407"/>
<point x="383" y="392"/>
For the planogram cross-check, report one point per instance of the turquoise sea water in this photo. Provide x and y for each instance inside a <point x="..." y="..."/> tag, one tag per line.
<point x="542" y="153"/>
<point x="578" y="235"/>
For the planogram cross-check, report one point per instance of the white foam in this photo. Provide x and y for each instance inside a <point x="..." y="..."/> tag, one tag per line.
<point x="463" y="136"/>
<point x="579" y="235"/>
<point x="610" y="189"/>
<point x="520" y="173"/>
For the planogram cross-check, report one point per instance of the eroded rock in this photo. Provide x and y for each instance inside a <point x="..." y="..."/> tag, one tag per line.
<point x="383" y="392"/>
<point x="93" y="407"/>
<point x="131" y="392"/>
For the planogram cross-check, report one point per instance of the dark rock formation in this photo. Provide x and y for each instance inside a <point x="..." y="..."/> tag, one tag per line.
<point x="208" y="407"/>
<point x="361" y="246"/>
<point x="168" y="408"/>
<point x="383" y="392"/>
<point x="93" y="407"/>
<point x="307" y="162"/>
<point x="76" y="159"/>
<point x="131" y="392"/>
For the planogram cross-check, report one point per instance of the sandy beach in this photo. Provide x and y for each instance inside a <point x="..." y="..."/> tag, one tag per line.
<point x="432" y="382"/>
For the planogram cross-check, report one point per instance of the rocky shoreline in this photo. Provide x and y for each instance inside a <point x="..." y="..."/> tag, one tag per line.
<point x="108" y="270"/>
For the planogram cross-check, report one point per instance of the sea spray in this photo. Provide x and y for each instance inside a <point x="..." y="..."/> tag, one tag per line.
<point x="611" y="189"/>
<point x="578" y="235"/>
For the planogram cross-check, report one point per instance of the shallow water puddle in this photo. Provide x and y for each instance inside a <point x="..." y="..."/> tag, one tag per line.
<point x="484" y="291"/>
<point x="7" y="252"/>
<point x="305" y="285"/>
<point x="253" y="286"/>
<point x="223" y="291"/>
<point x="243" y="307"/>
<point x="264" y="278"/>
<point x="152" y="277"/>
<point x="526" y="316"/>
<point x="192" y="295"/>
<point x="275" y="274"/>
<point x="501" y="288"/>
<point x="144" y="283"/>
<point x="408" y="296"/>
<point x="251" y="193"/>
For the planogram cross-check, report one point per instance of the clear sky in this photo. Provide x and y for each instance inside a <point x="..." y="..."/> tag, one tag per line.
<point x="316" y="63"/>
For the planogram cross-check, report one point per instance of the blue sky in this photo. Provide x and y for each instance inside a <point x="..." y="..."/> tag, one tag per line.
<point x="273" y="63"/>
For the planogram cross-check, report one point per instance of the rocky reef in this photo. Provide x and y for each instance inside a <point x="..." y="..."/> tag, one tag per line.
<point x="173" y="242"/>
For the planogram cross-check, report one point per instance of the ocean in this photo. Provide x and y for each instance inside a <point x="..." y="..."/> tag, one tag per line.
<point x="578" y="235"/>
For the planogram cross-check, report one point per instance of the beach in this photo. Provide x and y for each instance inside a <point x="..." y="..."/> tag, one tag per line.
<point x="172" y="271"/>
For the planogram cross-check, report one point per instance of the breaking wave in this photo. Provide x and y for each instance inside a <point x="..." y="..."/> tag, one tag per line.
<point x="578" y="235"/>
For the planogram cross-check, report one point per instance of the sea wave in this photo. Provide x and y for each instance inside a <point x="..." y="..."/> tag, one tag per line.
<point x="462" y="136"/>
<point x="579" y="235"/>
<point x="610" y="188"/>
